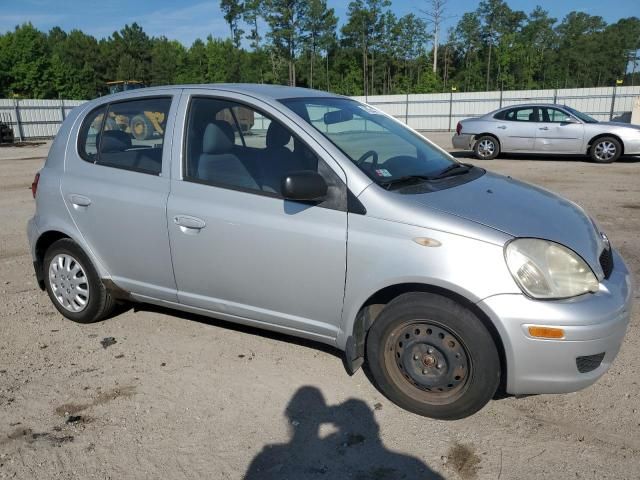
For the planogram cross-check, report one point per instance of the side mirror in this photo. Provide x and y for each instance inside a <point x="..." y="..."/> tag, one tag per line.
<point x="570" y="121"/>
<point x="304" y="185"/>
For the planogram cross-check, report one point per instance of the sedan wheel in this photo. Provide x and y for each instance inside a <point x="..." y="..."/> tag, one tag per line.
<point x="487" y="148"/>
<point x="606" y="150"/>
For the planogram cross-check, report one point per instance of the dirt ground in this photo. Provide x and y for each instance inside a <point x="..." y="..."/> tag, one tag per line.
<point x="181" y="396"/>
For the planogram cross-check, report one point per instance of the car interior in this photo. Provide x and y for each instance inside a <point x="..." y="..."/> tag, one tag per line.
<point x="220" y="151"/>
<point x="117" y="150"/>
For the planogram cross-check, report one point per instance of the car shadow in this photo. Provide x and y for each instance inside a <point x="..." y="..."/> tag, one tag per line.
<point x="237" y="327"/>
<point x="350" y="448"/>
<point x="542" y="157"/>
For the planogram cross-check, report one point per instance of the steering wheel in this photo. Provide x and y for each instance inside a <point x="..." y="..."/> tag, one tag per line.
<point x="365" y="155"/>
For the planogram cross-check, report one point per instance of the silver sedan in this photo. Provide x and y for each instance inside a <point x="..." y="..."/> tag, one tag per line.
<point x="545" y="128"/>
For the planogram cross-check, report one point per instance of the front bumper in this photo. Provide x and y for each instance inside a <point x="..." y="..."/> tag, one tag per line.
<point x="593" y="324"/>
<point x="463" y="141"/>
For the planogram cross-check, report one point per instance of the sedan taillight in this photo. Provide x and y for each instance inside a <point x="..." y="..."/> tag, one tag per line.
<point x="458" y="128"/>
<point x="34" y="185"/>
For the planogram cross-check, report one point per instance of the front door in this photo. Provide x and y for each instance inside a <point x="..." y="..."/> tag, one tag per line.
<point x="559" y="132"/>
<point x="238" y="247"/>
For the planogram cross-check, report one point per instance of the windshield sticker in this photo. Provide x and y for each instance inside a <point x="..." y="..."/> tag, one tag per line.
<point x="369" y="109"/>
<point x="383" y="172"/>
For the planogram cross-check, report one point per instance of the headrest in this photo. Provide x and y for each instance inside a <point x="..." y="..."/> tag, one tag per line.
<point x="277" y="135"/>
<point x="114" y="141"/>
<point x="227" y="129"/>
<point x="215" y="141"/>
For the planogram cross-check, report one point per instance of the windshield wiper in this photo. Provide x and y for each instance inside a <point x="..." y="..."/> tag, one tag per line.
<point x="405" y="180"/>
<point x="451" y="170"/>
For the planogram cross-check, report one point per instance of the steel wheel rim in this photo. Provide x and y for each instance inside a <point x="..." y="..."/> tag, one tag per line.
<point x="486" y="148"/>
<point x="69" y="283"/>
<point x="428" y="362"/>
<point x="605" y="150"/>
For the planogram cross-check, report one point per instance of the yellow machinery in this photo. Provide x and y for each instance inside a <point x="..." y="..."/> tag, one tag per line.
<point x="142" y="126"/>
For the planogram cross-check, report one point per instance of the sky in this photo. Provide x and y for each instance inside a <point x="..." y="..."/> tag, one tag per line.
<point x="187" y="20"/>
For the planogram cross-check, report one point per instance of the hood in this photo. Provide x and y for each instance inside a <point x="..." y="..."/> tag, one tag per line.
<point x="620" y="124"/>
<point x="521" y="210"/>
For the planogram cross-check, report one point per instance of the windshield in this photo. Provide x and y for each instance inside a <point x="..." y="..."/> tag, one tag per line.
<point x="582" y="116"/>
<point x="385" y="150"/>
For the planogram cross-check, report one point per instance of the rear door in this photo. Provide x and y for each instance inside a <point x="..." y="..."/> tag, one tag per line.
<point x="517" y="129"/>
<point x="559" y="132"/>
<point x="116" y="185"/>
<point x="238" y="247"/>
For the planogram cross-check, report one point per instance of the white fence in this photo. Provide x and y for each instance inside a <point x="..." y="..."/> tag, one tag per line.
<point x="33" y="119"/>
<point x="442" y="111"/>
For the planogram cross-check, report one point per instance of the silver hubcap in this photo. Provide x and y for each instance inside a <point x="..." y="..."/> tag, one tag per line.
<point x="69" y="283"/>
<point x="486" y="148"/>
<point x="605" y="150"/>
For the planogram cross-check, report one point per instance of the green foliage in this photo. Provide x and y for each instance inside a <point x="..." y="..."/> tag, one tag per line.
<point x="376" y="52"/>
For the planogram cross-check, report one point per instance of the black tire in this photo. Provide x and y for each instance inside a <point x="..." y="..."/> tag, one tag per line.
<point x="487" y="147"/>
<point x="100" y="303"/>
<point x="448" y="366"/>
<point x="141" y="127"/>
<point x="605" y="150"/>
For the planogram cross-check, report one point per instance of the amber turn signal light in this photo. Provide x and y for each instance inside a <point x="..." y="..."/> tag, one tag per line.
<point x="546" y="332"/>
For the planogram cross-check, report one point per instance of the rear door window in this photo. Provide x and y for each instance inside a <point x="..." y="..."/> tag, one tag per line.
<point x="528" y="114"/>
<point x="127" y="135"/>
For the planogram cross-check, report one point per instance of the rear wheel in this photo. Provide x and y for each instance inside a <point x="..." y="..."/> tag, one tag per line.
<point x="73" y="284"/>
<point x="605" y="150"/>
<point x="486" y="147"/>
<point x="433" y="357"/>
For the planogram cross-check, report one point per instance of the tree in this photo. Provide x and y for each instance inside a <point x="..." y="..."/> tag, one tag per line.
<point x="233" y="11"/>
<point x="363" y="28"/>
<point x="498" y="20"/>
<point x="252" y="11"/>
<point x="319" y="27"/>
<point x="435" y="14"/>
<point x="167" y="59"/>
<point x="285" y="19"/>
<point x="129" y="54"/>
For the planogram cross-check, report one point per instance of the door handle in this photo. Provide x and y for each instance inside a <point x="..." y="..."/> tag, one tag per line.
<point x="186" y="223"/>
<point x="502" y="127"/>
<point x="543" y="128"/>
<point x="79" y="200"/>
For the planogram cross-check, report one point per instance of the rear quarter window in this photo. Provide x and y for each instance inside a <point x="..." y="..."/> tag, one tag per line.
<point x="127" y="135"/>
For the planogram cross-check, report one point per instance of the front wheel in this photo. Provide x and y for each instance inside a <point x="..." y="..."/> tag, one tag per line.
<point x="605" y="150"/>
<point x="486" y="147"/>
<point x="431" y="356"/>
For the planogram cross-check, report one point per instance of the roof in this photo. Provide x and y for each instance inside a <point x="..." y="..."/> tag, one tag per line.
<point x="539" y="104"/>
<point x="263" y="91"/>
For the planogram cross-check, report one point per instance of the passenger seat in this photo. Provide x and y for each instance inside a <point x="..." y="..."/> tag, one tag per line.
<point x="217" y="164"/>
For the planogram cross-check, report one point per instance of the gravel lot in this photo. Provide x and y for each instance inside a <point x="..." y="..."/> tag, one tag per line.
<point x="181" y="396"/>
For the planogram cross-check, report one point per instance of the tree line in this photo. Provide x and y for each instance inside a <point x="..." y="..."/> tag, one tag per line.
<point x="300" y="42"/>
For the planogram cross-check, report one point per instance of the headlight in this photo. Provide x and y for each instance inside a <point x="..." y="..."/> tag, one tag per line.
<point x="545" y="269"/>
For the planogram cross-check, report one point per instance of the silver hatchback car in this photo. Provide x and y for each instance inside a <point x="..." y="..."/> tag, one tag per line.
<point x="321" y="217"/>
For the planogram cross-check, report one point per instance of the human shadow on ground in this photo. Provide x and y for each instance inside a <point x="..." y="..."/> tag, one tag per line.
<point x="351" y="449"/>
